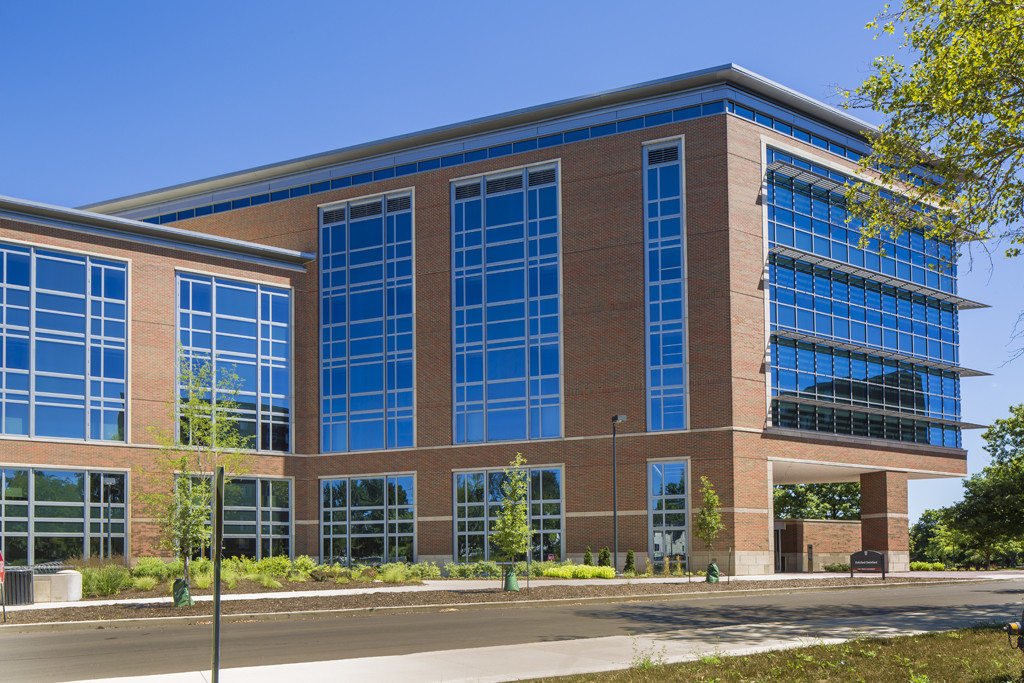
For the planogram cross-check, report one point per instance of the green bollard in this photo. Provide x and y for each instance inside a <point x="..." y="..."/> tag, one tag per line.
<point x="181" y="594"/>
<point x="511" y="581"/>
<point x="712" y="576"/>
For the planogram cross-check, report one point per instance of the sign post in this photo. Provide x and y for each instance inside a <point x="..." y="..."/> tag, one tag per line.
<point x="867" y="561"/>
<point x="218" y="536"/>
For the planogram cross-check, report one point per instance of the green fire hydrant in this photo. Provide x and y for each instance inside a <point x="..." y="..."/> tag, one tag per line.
<point x="712" y="575"/>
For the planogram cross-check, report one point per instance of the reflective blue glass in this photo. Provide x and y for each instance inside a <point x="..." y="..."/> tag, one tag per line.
<point x="834" y="305"/>
<point x="78" y="307"/>
<point x="815" y="222"/>
<point x="505" y="288"/>
<point x="366" y="346"/>
<point x="245" y="328"/>
<point x="664" y="285"/>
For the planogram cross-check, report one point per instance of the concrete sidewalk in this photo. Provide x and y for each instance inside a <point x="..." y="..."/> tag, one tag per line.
<point x="472" y="584"/>
<point x="562" y="658"/>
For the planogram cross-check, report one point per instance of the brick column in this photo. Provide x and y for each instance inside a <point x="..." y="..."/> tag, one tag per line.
<point x="883" y="514"/>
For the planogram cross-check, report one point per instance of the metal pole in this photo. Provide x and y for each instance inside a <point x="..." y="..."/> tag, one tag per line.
<point x="110" y="547"/>
<point x="217" y="509"/>
<point x="615" y="497"/>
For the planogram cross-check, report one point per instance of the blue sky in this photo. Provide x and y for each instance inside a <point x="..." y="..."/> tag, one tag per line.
<point x="105" y="99"/>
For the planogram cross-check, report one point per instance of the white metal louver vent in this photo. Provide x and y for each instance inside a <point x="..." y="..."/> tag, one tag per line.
<point x="467" y="191"/>
<point x="512" y="182"/>
<point x="334" y="215"/>
<point x="663" y="155"/>
<point x="399" y="203"/>
<point x="542" y="177"/>
<point x="364" y="210"/>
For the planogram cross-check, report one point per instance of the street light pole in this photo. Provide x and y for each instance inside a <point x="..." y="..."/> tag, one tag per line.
<point x="616" y="419"/>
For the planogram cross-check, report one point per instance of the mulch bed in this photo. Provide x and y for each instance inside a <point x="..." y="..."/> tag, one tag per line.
<point x="487" y="592"/>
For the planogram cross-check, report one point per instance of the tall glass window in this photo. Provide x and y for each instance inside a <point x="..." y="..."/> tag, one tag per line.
<point x="665" y="287"/>
<point x="62" y="333"/>
<point x="368" y="519"/>
<point x="478" y="499"/>
<point x="244" y="330"/>
<point x="667" y="507"/>
<point x="505" y="286"/>
<point x="257" y="517"/>
<point x="366" y="346"/>
<point x="48" y="515"/>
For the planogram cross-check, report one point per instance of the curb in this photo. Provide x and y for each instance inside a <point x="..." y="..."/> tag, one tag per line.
<point x="204" y="620"/>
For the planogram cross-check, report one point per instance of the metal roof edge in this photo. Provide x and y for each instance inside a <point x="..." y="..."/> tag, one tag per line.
<point x="727" y="73"/>
<point x="124" y="228"/>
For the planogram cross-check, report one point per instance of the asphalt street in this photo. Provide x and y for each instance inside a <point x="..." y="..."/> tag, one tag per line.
<point x="735" y="621"/>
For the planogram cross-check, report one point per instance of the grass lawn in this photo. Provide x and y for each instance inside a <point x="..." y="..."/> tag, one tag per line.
<point x="979" y="654"/>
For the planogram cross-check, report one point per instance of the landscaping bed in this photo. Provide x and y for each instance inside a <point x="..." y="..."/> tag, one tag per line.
<point x="487" y="592"/>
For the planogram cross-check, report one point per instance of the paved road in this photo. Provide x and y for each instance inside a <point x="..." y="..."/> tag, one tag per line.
<point x="729" y="622"/>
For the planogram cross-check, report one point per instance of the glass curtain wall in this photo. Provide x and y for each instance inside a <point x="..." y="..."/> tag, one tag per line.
<point x="62" y="332"/>
<point x="368" y="520"/>
<point x="244" y="330"/>
<point x="505" y="287"/>
<point x="478" y="498"/>
<point x="48" y="515"/>
<point x="367" y="303"/>
<point x="900" y="399"/>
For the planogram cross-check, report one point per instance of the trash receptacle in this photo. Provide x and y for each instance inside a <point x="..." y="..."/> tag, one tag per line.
<point x="18" y="586"/>
<point x="181" y="594"/>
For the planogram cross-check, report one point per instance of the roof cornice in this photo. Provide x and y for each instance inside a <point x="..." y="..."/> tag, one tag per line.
<point x="90" y="222"/>
<point x="726" y="73"/>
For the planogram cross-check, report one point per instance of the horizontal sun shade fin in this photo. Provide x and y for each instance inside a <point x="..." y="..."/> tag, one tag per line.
<point x="399" y="203"/>
<point x="467" y="191"/>
<point x="663" y="155"/>
<point x="334" y="215"/>
<point x="364" y="210"/>
<point x="542" y="177"/>
<point x="513" y="182"/>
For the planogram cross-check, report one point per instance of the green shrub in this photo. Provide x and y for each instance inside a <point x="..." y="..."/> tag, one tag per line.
<point x="588" y="557"/>
<point x="304" y="564"/>
<point x="630" y="565"/>
<point x="201" y="565"/>
<point x="175" y="569"/>
<point x="580" y="571"/>
<point x="202" y="581"/>
<point x="268" y="581"/>
<point x="278" y="565"/>
<point x="151" y="567"/>
<point x="472" y="570"/>
<point x="113" y="578"/>
<point x="604" y="559"/>
<point x="927" y="567"/>
<point x="395" y="573"/>
<point x="838" y="567"/>
<point x="144" y="583"/>
<point x="425" y="570"/>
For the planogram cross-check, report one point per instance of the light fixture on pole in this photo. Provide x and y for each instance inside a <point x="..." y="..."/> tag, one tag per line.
<point x="616" y="419"/>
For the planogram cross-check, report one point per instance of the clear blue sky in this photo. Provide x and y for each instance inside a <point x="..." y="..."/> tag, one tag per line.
<point x="105" y="99"/>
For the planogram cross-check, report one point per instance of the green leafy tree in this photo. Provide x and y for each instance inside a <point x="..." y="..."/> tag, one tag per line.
<point x="709" y="517"/>
<point x="1004" y="440"/>
<point x="922" y="536"/>
<point x="817" y="501"/>
<point x="512" y="533"/>
<point x="955" y="106"/>
<point x="205" y="435"/>
<point x="989" y="515"/>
